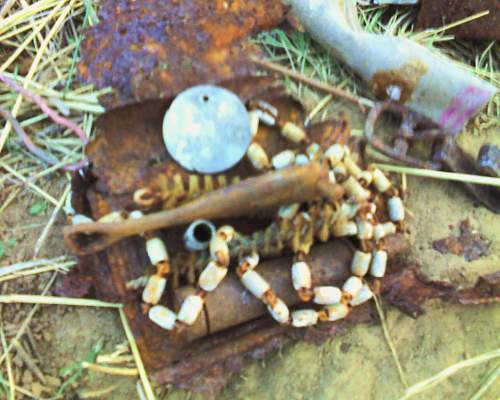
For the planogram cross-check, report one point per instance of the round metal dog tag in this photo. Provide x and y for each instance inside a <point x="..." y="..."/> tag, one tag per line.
<point x="207" y="129"/>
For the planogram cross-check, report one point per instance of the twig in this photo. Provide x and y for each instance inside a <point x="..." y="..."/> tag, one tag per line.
<point x="13" y="268"/>
<point x="28" y="318"/>
<point x="110" y="370"/>
<point x="137" y="356"/>
<point x="12" y="383"/>
<point x="34" y="65"/>
<point x="450" y="176"/>
<point x="447" y="372"/>
<point x="50" y="222"/>
<point x="492" y="377"/>
<point x="389" y="342"/>
<point x="54" y="300"/>
<point x="324" y="87"/>
<point x="99" y="393"/>
<point x="28" y="360"/>
<point x="26" y="181"/>
<point x="25" y="138"/>
<point x="57" y="118"/>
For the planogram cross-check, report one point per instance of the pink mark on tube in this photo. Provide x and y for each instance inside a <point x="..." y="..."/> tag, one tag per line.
<point x="462" y="107"/>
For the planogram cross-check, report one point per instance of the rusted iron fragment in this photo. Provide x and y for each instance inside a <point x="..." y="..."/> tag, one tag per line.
<point x="470" y="244"/>
<point x="444" y="152"/>
<point x="211" y="361"/>
<point x="154" y="48"/>
<point x="208" y="365"/>
<point x="408" y="288"/>
<point x="455" y="159"/>
<point x="489" y="160"/>
<point x="486" y="291"/>
<point x="437" y="13"/>
<point x="129" y="153"/>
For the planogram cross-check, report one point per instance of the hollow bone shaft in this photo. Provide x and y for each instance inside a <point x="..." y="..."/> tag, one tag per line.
<point x="288" y="185"/>
<point x="231" y="304"/>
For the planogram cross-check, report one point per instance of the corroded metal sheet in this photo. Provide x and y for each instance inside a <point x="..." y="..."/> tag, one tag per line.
<point x="154" y="49"/>
<point x="436" y="13"/>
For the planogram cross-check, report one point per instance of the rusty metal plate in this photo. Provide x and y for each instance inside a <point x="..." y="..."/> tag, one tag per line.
<point x="436" y="13"/>
<point x="154" y="48"/>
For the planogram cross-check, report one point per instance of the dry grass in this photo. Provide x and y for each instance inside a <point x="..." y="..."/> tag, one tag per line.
<point x="39" y="49"/>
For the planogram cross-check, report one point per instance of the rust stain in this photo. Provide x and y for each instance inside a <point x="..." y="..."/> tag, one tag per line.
<point x="406" y="78"/>
<point x="154" y="48"/>
<point x="469" y="244"/>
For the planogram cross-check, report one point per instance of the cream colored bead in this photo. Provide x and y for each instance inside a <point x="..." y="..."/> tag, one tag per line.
<point x="219" y="251"/>
<point x="363" y="296"/>
<point x="382" y="183"/>
<point x="344" y="228"/>
<point x="154" y="289"/>
<point x="327" y="295"/>
<point x="115" y="216"/>
<point x="211" y="276"/>
<point x="348" y="210"/>
<point x="365" y="230"/>
<point x="352" y="285"/>
<point x="190" y="309"/>
<point x="352" y="168"/>
<point x="293" y="132"/>
<point x="251" y="260"/>
<point x="258" y="157"/>
<point x="136" y="214"/>
<point x="301" y="275"/>
<point x="226" y="232"/>
<point x="283" y="159"/>
<point x="157" y="252"/>
<point x="162" y="316"/>
<point x="340" y="170"/>
<point x="335" y="153"/>
<point x="379" y="263"/>
<point x="253" y="117"/>
<point x="304" y="318"/>
<point x="360" y="263"/>
<point x="301" y="159"/>
<point x="265" y="118"/>
<point x="267" y="113"/>
<point x="337" y="311"/>
<point x="279" y="311"/>
<point x="354" y="189"/>
<point x="81" y="219"/>
<point x="313" y="151"/>
<point x="396" y="209"/>
<point x="289" y="211"/>
<point x="365" y="178"/>
<point x="382" y="230"/>
<point x="255" y="283"/>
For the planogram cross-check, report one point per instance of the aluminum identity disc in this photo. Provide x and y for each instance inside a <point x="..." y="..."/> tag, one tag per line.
<point x="207" y="129"/>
